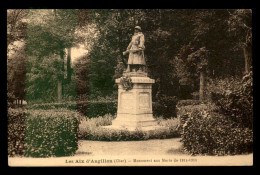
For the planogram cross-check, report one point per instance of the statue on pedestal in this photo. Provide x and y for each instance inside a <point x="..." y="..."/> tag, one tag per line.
<point x="134" y="107"/>
<point x="136" y="60"/>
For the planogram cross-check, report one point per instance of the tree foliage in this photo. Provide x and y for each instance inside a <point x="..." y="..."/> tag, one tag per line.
<point x="16" y="73"/>
<point x="49" y="33"/>
<point x="172" y="37"/>
<point x="176" y="43"/>
<point x="16" y="26"/>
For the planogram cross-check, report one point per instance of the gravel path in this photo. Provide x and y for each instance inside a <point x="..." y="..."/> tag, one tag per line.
<point x="147" y="147"/>
<point x="166" y="152"/>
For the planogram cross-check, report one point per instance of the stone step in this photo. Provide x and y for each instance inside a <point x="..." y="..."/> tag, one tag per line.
<point x="129" y="128"/>
<point x="134" y="123"/>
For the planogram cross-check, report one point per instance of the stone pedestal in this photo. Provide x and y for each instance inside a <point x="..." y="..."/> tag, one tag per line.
<point x="134" y="109"/>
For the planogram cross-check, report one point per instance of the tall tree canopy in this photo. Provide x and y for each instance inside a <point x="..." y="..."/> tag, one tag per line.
<point x="49" y="33"/>
<point x="172" y="36"/>
<point x="16" y="26"/>
<point x="172" y="39"/>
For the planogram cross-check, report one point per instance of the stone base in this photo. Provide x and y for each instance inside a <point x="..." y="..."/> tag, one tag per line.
<point x="135" y="74"/>
<point x="134" y="120"/>
<point x="134" y="110"/>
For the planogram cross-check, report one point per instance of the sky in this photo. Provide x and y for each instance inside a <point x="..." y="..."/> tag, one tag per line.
<point x="37" y="17"/>
<point x="76" y="52"/>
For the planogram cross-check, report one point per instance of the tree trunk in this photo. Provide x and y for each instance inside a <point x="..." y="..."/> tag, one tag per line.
<point x="59" y="90"/>
<point x="120" y="43"/>
<point x="69" y="66"/>
<point x="248" y="57"/>
<point x="61" y="78"/>
<point x="248" y="52"/>
<point x="202" y="82"/>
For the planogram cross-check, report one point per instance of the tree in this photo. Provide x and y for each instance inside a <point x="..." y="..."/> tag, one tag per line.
<point x="165" y="31"/>
<point x="199" y="59"/>
<point x="113" y="28"/>
<point x="16" y="55"/>
<point x="42" y="78"/>
<point x="240" y="23"/>
<point x="49" y="33"/>
<point x="171" y="36"/>
<point x="16" y="26"/>
<point x="210" y="29"/>
<point x="81" y="76"/>
<point x="16" y="73"/>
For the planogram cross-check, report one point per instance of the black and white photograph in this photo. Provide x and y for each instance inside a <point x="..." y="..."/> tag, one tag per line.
<point x="129" y="87"/>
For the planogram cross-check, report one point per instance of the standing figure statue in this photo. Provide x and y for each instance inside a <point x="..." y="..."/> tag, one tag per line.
<point x="136" y="60"/>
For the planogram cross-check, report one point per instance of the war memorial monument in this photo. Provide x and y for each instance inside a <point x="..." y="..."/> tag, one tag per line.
<point x="134" y="110"/>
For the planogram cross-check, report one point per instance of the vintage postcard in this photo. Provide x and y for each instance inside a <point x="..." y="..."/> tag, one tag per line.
<point x="129" y="87"/>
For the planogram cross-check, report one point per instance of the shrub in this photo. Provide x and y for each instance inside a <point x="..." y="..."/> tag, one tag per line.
<point x="236" y="101"/>
<point x="51" y="133"/>
<point x="97" y="108"/>
<point x="69" y="105"/>
<point x="165" y="106"/>
<point x="222" y="85"/>
<point x="92" y="109"/>
<point x="90" y="129"/>
<point x="10" y="99"/>
<point x="16" y="131"/>
<point x="215" y="135"/>
<point x="88" y="108"/>
<point x="186" y="107"/>
<point x="195" y="95"/>
<point x="188" y="102"/>
<point x="103" y="134"/>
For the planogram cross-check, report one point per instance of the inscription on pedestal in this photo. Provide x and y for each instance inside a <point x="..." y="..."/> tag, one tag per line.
<point x="144" y="102"/>
<point x="127" y="100"/>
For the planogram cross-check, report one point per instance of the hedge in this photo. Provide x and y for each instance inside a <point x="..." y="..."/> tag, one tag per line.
<point x="51" y="133"/>
<point x="69" y="106"/>
<point x="16" y="131"/>
<point x="165" y="107"/>
<point x="88" y="108"/>
<point x="186" y="107"/>
<point x="188" y="102"/>
<point x="236" y="103"/>
<point x="215" y="134"/>
<point x="95" y="109"/>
